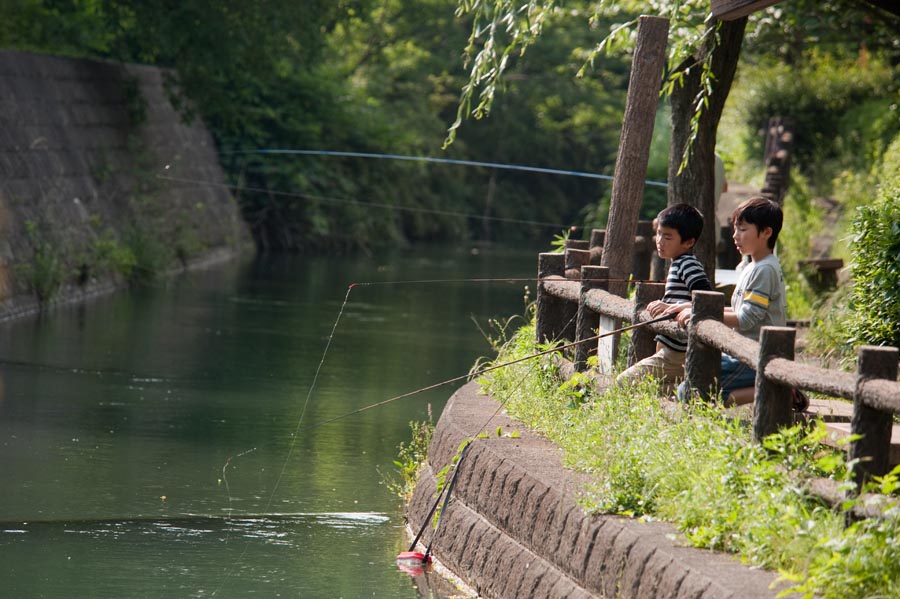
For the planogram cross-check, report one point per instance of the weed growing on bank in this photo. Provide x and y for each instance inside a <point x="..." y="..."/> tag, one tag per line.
<point x="698" y="469"/>
<point x="411" y="458"/>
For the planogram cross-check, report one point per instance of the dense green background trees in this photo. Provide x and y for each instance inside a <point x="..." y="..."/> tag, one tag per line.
<point x="362" y="76"/>
<point x="386" y="77"/>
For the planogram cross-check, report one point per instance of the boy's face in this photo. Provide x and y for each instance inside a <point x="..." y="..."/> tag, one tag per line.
<point x="749" y="240"/>
<point x="669" y="244"/>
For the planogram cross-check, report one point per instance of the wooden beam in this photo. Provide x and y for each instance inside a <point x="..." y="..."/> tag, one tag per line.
<point x="729" y="10"/>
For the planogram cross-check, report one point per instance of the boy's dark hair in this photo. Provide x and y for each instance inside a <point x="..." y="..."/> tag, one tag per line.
<point x="761" y="212"/>
<point x="684" y="218"/>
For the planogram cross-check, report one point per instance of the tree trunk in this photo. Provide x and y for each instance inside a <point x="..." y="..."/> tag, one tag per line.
<point x="694" y="184"/>
<point x="634" y="148"/>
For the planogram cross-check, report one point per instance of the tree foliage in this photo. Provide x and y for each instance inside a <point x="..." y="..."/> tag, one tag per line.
<point x="362" y="76"/>
<point x="701" y="65"/>
<point x="875" y="298"/>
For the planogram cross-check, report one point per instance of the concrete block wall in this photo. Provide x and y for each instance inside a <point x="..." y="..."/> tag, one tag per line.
<point x="514" y="530"/>
<point x="94" y="151"/>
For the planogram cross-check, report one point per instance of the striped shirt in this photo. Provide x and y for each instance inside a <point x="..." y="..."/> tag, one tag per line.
<point x="686" y="274"/>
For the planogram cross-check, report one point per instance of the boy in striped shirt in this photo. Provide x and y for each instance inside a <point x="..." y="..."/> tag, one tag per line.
<point x="677" y="229"/>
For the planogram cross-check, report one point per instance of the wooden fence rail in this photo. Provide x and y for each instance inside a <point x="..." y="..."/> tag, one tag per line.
<point x="573" y="304"/>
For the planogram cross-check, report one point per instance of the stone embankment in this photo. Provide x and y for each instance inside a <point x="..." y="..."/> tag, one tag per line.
<point x="100" y="175"/>
<point x="514" y="529"/>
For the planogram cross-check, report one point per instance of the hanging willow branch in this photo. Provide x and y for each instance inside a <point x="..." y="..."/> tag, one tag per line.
<point x="502" y="28"/>
<point x="499" y="29"/>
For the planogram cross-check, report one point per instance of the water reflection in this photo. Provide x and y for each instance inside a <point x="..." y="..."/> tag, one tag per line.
<point x="152" y="443"/>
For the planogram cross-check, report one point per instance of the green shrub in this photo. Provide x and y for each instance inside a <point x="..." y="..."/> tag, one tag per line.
<point x="108" y="255"/>
<point x="411" y="457"/>
<point x="44" y="274"/>
<point x="839" y="111"/>
<point x="875" y="301"/>
<point x="46" y="271"/>
<point x="151" y="256"/>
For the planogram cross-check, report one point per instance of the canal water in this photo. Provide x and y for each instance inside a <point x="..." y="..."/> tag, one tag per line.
<point x="163" y="441"/>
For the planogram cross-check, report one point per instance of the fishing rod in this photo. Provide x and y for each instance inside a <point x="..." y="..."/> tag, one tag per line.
<point x="495" y="165"/>
<point x="156" y="378"/>
<point x="412" y="560"/>
<point x="417" y="557"/>
<point x="486" y="370"/>
<point x="548" y="279"/>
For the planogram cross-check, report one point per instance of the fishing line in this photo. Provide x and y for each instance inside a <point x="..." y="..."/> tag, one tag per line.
<point x="496" y="165"/>
<point x="486" y="370"/>
<point x="297" y="429"/>
<point x="300" y="428"/>
<point x="309" y="393"/>
<point x="333" y="200"/>
<point x="550" y="279"/>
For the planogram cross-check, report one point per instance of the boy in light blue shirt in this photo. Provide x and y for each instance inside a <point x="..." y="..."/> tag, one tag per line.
<point x="759" y="297"/>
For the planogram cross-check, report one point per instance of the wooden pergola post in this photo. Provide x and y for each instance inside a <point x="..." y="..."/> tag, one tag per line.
<point x="634" y="147"/>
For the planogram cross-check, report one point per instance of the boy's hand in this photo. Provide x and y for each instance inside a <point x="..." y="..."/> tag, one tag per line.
<point x="675" y="308"/>
<point x="684" y="317"/>
<point x="656" y="308"/>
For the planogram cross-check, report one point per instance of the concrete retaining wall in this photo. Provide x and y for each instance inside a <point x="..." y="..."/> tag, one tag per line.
<point x="83" y="145"/>
<point x="513" y="528"/>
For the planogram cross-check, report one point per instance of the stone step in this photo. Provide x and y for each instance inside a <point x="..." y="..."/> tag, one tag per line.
<point x="830" y="410"/>
<point x="841" y="430"/>
<point x="837" y="415"/>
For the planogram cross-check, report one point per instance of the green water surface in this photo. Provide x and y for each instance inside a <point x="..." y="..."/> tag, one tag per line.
<point x="167" y="441"/>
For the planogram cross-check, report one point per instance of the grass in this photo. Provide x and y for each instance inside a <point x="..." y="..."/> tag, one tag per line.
<point x="701" y="472"/>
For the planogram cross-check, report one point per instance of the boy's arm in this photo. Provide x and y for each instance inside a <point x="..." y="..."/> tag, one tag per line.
<point x="684" y="316"/>
<point x="675" y="308"/>
<point x="760" y="290"/>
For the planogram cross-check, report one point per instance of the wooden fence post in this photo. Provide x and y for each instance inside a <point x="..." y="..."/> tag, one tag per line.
<point x="554" y="317"/>
<point x="873" y="449"/>
<point x="596" y="246"/>
<point x="643" y="342"/>
<point x="578" y="244"/>
<point x="575" y="259"/>
<point x="772" y="402"/>
<point x="588" y="321"/>
<point x="644" y="250"/>
<point x="703" y="364"/>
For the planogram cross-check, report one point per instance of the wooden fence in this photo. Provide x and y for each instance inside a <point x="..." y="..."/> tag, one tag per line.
<point x="576" y="298"/>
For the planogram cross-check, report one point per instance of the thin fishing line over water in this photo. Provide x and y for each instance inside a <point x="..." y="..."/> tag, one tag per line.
<point x="399" y="157"/>
<point x="494" y="165"/>
<point x="333" y="200"/>
<point x="294" y="437"/>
